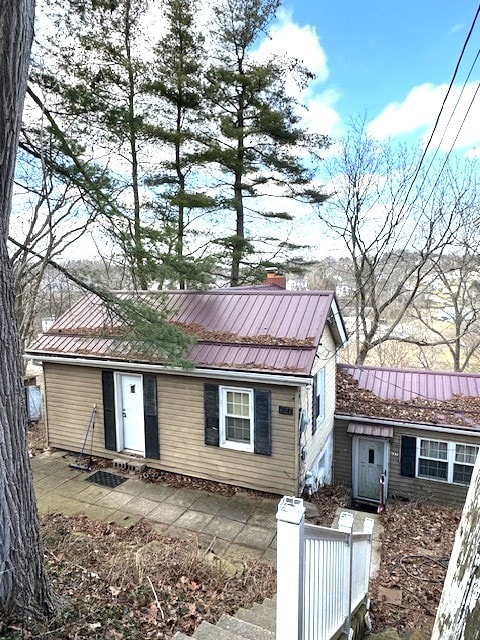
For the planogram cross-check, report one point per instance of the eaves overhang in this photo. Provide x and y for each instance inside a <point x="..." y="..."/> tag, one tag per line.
<point x="196" y="372"/>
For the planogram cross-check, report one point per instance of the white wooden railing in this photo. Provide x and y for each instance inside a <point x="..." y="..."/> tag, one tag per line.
<point x="322" y="573"/>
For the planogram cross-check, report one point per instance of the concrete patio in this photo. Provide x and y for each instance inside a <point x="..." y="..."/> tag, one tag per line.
<point x="235" y="527"/>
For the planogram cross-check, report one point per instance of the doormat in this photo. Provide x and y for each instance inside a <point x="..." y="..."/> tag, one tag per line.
<point x="106" y="479"/>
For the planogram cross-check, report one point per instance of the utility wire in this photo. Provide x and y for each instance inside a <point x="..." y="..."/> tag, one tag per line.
<point x="447" y="156"/>
<point x="422" y="159"/>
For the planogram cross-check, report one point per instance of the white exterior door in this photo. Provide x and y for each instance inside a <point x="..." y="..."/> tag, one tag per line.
<point x="370" y="462"/>
<point x="130" y="419"/>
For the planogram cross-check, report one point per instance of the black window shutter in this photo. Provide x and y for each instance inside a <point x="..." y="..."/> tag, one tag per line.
<point x="212" y="424"/>
<point x="263" y="422"/>
<point x="150" y="413"/>
<point x="109" y="411"/>
<point x="316" y="405"/>
<point x="408" y="453"/>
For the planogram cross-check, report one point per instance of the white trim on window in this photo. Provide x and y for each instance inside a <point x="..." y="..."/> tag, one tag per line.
<point x="447" y="459"/>
<point x="246" y="415"/>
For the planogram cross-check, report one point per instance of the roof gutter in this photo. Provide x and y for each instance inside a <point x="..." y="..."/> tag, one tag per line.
<point x="408" y="425"/>
<point x="222" y="374"/>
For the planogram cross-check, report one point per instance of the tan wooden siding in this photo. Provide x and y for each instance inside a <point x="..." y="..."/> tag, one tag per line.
<point x="326" y="359"/>
<point x="419" y="489"/>
<point x="71" y="392"/>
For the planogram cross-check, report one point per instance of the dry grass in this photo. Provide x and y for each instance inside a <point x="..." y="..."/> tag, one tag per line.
<point x="133" y="583"/>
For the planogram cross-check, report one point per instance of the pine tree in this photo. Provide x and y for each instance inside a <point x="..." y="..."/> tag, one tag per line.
<point x="258" y="140"/>
<point x="97" y="83"/>
<point x="179" y="109"/>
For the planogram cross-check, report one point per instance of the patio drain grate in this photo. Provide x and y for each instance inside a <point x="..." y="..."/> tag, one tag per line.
<point x="106" y="479"/>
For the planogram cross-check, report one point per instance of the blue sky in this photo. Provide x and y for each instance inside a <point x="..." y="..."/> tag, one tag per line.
<point x="390" y="60"/>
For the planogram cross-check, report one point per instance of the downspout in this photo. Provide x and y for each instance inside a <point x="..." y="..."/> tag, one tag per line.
<point x="296" y="414"/>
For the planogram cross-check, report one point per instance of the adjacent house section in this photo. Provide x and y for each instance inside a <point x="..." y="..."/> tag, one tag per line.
<point x="411" y="434"/>
<point x="255" y="409"/>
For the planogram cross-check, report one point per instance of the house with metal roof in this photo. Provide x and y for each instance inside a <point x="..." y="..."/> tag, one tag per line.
<point x="406" y="433"/>
<point x="255" y="409"/>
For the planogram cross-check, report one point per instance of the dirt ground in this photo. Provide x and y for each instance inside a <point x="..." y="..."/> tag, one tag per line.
<point x="114" y="583"/>
<point x="154" y="603"/>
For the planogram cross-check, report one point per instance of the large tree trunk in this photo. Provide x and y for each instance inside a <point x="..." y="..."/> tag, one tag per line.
<point x="458" y="614"/>
<point x="23" y="586"/>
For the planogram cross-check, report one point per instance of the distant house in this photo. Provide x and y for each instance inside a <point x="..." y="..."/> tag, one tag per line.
<point x="256" y="410"/>
<point x="416" y="432"/>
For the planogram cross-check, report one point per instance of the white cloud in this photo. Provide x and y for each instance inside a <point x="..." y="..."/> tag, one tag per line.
<point x="457" y="127"/>
<point x="473" y="153"/>
<point x="417" y="111"/>
<point x="321" y="116"/>
<point x="300" y="43"/>
<point x="287" y="38"/>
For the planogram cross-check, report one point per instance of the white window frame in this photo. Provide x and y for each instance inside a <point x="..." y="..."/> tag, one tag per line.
<point x="450" y="460"/>
<point x="224" y="441"/>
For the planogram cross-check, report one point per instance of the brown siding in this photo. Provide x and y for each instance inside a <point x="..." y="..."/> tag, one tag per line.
<point x="72" y="391"/>
<point x="418" y="489"/>
<point x="326" y="359"/>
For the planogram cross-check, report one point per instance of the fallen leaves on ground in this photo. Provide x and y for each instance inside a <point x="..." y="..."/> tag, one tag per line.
<point x="134" y="583"/>
<point x="179" y="481"/>
<point x="327" y="500"/>
<point x="416" y="546"/>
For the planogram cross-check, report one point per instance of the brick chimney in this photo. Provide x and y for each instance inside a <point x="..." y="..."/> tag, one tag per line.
<point x="273" y="277"/>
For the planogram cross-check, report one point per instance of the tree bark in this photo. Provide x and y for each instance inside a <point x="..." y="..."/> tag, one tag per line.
<point x="458" y="614"/>
<point x="23" y="586"/>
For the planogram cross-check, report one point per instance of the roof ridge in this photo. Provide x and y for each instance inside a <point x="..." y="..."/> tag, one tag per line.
<point x="228" y="291"/>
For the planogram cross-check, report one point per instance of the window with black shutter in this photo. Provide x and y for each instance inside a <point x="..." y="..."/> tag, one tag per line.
<point x="238" y="418"/>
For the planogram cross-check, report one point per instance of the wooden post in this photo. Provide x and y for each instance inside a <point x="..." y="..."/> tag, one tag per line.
<point x="458" y="614"/>
<point x="290" y="537"/>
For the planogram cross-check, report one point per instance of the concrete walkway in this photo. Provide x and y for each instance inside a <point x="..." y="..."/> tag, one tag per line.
<point x="233" y="527"/>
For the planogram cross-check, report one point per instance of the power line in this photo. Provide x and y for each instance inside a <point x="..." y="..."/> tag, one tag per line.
<point x="447" y="156"/>
<point x="422" y="159"/>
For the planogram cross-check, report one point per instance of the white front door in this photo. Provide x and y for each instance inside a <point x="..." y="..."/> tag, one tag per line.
<point x="130" y="419"/>
<point x="370" y="463"/>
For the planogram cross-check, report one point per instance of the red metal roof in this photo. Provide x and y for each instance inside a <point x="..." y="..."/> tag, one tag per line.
<point x="263" y="328"/>
<point x="406" y="384"/>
